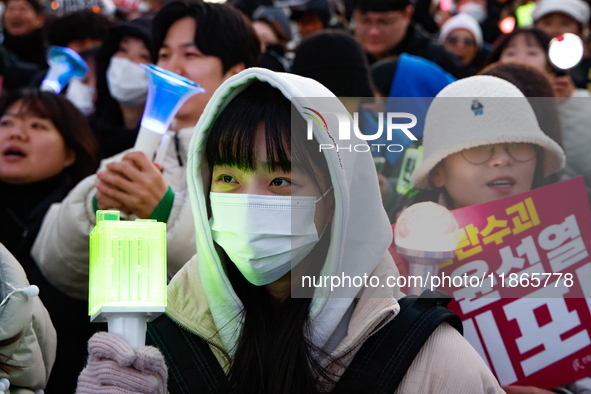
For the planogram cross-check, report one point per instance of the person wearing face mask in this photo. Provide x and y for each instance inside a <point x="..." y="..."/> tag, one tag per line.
<point x="82" y="91"/>
<point x="268" y="207"/>
<point x="121" y="85"/>
<point x="204" y="42"/>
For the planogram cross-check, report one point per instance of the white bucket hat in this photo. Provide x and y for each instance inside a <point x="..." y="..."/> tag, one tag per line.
<point x="576" y="9"/>
<point x="461" y="21"/>
<point x="476" y="111"/>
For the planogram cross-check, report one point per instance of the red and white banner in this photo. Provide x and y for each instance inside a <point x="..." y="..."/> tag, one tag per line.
<point x="527" y="310"/>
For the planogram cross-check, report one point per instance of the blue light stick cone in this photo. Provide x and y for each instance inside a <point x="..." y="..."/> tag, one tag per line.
<point x="167" y="92"/>
<point x="64" y="64"/>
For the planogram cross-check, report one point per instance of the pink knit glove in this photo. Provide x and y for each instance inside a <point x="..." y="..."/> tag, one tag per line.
<point x="114" y="367"/>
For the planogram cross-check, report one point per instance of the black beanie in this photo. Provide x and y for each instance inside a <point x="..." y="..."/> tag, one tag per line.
<point x="335" y="60"/>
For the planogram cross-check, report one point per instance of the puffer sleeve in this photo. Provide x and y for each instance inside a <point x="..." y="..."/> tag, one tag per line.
<point x="34" y="352"/>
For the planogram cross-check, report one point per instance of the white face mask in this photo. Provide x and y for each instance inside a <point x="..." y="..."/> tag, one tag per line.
<point x="127" y="82"/>
<point x="476" y="11"/>
<point x="81" y="95"/>
<point x="263" y="235"/>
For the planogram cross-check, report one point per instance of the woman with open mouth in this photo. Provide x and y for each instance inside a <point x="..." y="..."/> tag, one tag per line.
<point x="46" y="148"/>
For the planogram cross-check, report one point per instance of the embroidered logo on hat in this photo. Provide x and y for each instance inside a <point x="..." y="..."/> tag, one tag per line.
<point x="477" y="107"/>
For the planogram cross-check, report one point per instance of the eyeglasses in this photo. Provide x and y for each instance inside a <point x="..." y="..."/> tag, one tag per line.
<point x="520" y="152"/>
<point x="453" y="40"/>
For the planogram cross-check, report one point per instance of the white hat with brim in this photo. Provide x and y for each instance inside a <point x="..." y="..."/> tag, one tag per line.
<point x="477" y="111"/>
<point x="576" y="9"/>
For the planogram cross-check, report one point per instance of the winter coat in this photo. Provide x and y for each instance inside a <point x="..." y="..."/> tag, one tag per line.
<point x="35" y="351"/>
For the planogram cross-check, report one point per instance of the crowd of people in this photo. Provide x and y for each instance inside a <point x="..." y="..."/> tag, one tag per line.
<point x="230" y="324"/>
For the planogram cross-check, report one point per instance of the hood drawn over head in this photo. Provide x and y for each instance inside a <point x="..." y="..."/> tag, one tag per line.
<point x="361" y="232"/>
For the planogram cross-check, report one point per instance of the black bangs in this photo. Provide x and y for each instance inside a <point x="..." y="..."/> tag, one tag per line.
<point x="231" y="140"/>
<point x="34" y="105"/>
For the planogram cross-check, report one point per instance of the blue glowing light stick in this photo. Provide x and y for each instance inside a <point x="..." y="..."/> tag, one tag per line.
<point x="64" y="64"/>
<point x="167" y="92"/>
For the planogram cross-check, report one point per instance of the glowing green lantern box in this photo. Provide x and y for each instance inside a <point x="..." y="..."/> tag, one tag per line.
<point x="127" y="274"/>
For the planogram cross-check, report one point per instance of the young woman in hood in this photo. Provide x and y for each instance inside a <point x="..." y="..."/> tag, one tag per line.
<point x="269" y="207"/>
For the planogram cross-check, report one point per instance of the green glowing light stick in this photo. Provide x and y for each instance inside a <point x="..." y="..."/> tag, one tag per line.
<point x="127" y="274"/>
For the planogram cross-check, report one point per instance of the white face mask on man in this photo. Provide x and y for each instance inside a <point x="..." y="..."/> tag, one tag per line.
<point x="265" y="236"/>
<point x="127" y="82"/>
<point x="81" y="95"/>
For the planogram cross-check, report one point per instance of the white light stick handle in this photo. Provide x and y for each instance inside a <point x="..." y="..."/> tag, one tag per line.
<point x="148" y="142"/>
<point x="130" y="326"/>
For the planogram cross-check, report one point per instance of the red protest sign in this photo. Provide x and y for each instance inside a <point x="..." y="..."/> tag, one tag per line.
<point x="526" y="278"/>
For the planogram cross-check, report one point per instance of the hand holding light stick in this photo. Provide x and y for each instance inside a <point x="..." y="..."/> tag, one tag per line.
<point x="426" y="235"/>
<point x="167" y="92"/>
<point x="127" y="274"/>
